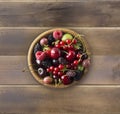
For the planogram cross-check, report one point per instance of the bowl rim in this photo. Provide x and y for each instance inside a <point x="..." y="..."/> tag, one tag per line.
<point x="36" y="40"/>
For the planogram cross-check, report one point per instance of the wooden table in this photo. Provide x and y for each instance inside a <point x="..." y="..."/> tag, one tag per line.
<point x="22" y="20"/>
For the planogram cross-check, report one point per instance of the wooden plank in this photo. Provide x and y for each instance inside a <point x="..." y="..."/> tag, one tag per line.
<point x="82" y="13"/>
<point x="74" y="100"/>
<point x="103" y="70"/>
<point x="102" y="41"/>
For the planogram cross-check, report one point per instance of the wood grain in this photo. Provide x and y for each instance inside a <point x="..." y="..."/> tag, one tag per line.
<point x="82" y="13"/>
<point x="16" y="41"/>
<point x="103" y="70"/>
<point x="42" y="100"/>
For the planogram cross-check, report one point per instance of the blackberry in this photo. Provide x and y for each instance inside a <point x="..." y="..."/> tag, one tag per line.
<point x="71" y="73"/>
<point x="62" y="60"/>
<point x="50" y="39"/>
<point x="37" y="47"/>
<point x="46" y="63"/>
<point x="55" y="62"/>
<point x="85" y="56"/>
<point x="78" y="75"/>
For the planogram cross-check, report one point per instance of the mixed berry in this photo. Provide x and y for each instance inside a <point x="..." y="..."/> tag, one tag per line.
<point x="61" y="58"/>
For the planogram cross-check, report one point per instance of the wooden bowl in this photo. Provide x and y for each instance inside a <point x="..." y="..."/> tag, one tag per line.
<point x="31" y="58"/>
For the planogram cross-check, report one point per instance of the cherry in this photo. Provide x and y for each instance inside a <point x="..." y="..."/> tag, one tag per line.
<point x="70" y="56"/>
<point x="61" y="66"/>
<point x="55" y="53"/>
<point x="66" y="79"/>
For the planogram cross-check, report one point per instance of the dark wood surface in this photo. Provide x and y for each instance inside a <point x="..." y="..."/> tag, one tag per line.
<point x="22" y="21"/>
<point x="82" y="13"/>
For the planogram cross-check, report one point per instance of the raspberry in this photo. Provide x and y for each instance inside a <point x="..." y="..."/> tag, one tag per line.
<point x="57" y="34"/>
<point x="42" y="56"/>
<point x="71" y="73"/>
<point x="37" y="54"/>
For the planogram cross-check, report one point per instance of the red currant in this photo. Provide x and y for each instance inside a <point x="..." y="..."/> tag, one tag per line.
<point x="55" y="72"/>
<point x="74" y="41"/>
<point x="57" y="46"/>
<point x="61" y="66"/>
<point x="78" y="55"/>
<point x="48" y="70"/>
<point x="65" y="47"/>
<point x="62" y="43"/>
<point x="68" y="41"/>
<point x="51" y="68"/>
<point x="56" y="69"/>
<point x="70" y="47"/>
<point x="75" y="62"/>
<point x="60" y="73"/>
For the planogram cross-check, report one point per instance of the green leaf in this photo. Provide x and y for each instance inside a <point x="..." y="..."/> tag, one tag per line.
<point x="80" y="67"/>
<point x="57" y="41"/>
<point x="77" y="45"/>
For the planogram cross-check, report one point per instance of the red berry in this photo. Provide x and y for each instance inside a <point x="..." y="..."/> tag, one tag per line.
<point x="48" y="52"/>
<point x="68" y="41"/>
<point x="55" y="53"/>
<point x="56" y="69"/>
<point x="37" y="54"/>
<point x="57" y="46"/>
<point x="65" y="47"/>
<point x="48" y="70"/>
<point x="62" y="43"/>
<point x="75" y="62"/>
<point x="70" y="56"/>
<point x="42" y="56"/>
<point x="74" y="41"/>
<point x="65" y="79"/>
<point x="70" y="47"/>
<point x="55" y="72"/>
<point x="78" y="55"/>
<point x="51" y="68"/>
<point x="57" y="34"/>
<point x="61" y="66"/>
<point x="60" y="73"/>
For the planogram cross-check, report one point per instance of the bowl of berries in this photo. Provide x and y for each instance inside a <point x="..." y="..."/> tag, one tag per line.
<point x="58" y="58"/>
